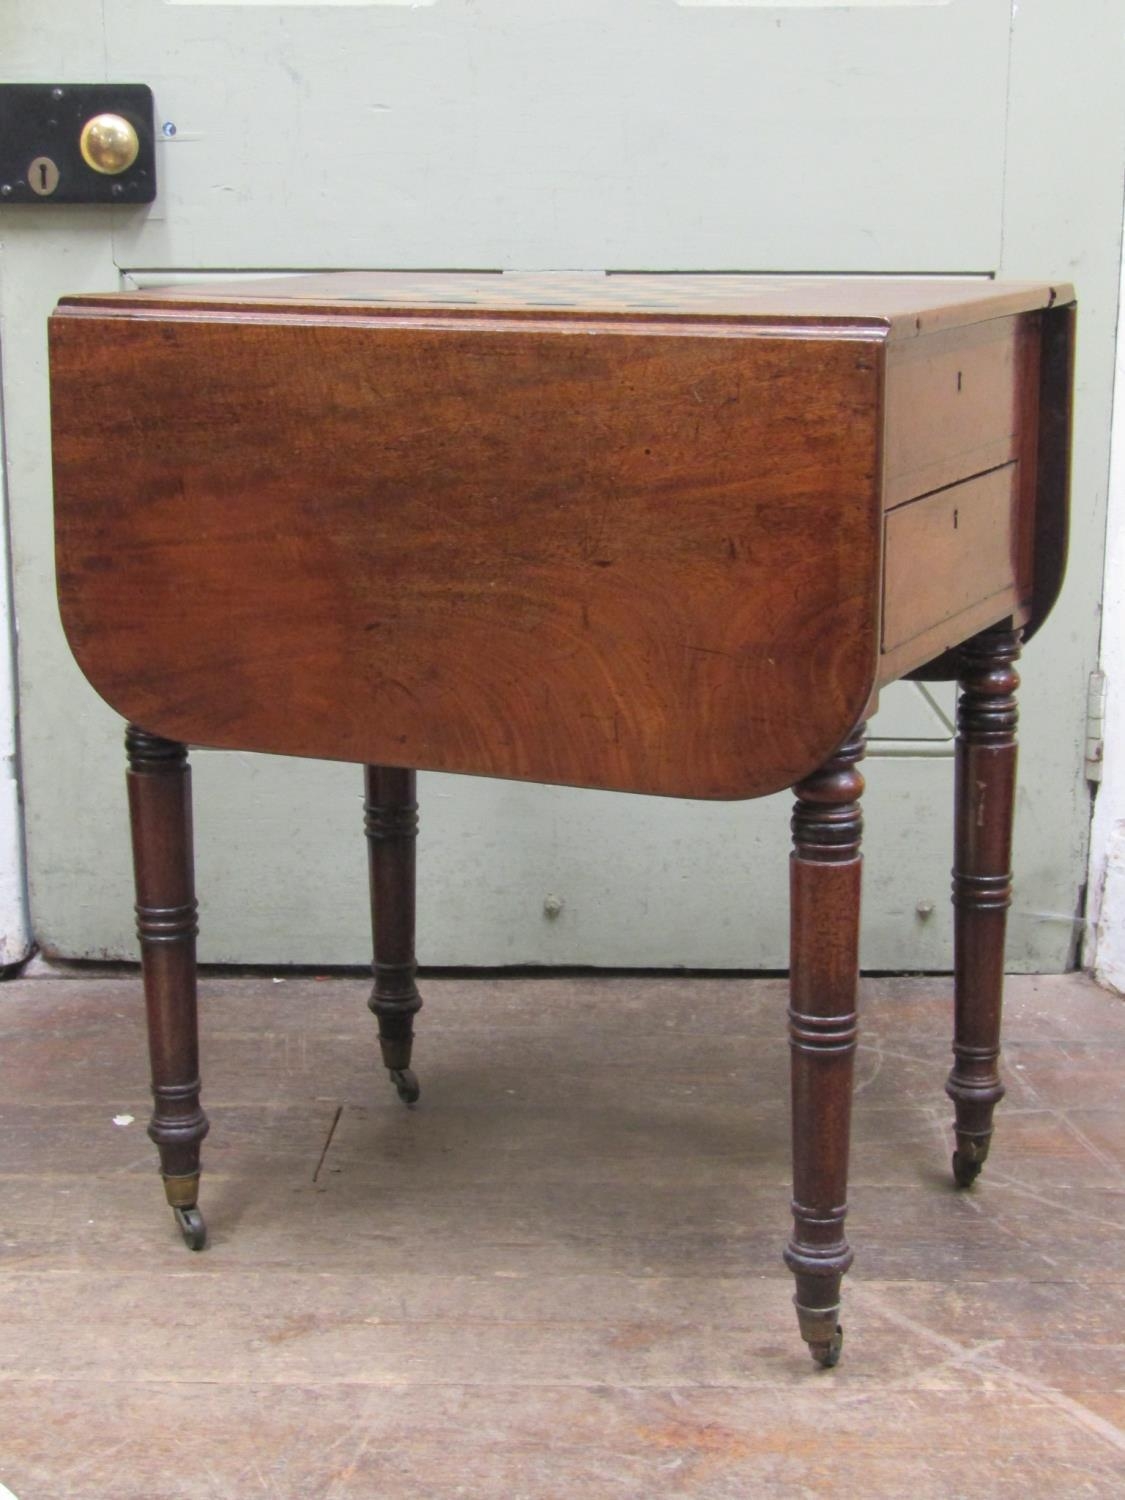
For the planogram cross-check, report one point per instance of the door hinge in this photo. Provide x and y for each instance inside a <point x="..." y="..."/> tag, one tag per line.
<point x="1095" y="717"/>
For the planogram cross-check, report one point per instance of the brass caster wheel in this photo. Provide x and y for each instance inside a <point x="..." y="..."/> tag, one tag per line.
<point x="827" y="1354"/>
<point x="191" y="1226"/>
<point x="406" y="1084"/>
<point x="965" y="1171"/>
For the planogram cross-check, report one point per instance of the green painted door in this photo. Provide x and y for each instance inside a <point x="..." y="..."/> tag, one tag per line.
<point x="913" y="137"/>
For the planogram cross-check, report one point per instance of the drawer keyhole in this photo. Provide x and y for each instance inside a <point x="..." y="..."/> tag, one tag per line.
<point x="955" y="515"/>
<point x="958" y="379"/>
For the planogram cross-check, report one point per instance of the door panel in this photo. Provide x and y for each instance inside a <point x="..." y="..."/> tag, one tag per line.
<point x="649" y="134"/>
<point x="638" y="134"/>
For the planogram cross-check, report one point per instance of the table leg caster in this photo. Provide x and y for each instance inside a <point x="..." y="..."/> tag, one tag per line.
<point x="826" y="1352"/>
<point x="966" y="1170"/>
<point x="190" y="1223"/>
<point x="821" y="1330"/>
<point x="406" y="1083"/>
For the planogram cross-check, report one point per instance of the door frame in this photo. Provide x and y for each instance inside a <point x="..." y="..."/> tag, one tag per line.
<point x="15" y="925"/>
<point x="1105" y="928"/>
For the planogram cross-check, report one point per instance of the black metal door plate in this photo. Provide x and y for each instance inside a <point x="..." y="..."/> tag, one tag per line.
<point x="41" y="158"/>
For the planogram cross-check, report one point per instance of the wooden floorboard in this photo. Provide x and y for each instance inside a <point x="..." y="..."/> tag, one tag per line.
<point x="560" y="1275"/>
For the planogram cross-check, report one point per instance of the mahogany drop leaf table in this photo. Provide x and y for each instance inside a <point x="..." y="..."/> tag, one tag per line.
<point x="664" y="534"/>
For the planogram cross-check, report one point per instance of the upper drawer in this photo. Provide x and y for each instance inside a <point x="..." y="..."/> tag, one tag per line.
<point x="953" y="404"/>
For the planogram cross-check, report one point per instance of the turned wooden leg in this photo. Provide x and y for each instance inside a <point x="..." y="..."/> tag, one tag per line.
<point x="982" y="884"/>
<point x="159" y="784"/>
<point x="391" y="824"/>
<point x="823" y="981"/>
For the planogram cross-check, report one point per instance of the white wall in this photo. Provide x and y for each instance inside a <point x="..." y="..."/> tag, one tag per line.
<point x="15" y="936"/>
<point x="1106" y="906"/>
<point x="784" y="135"/>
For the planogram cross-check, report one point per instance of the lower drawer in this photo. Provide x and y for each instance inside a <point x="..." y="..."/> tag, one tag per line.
<point x="948" y="552"/>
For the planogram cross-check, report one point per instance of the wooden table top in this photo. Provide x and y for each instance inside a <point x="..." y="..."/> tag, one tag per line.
<point x="652" y="533"/>
<point x="903" y="306"/>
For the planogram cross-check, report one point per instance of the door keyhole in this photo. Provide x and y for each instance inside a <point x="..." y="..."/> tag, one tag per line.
<point x="42" y="176"/>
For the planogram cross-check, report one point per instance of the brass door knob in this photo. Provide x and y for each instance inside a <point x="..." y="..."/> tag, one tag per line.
<point x="109" y="144"/>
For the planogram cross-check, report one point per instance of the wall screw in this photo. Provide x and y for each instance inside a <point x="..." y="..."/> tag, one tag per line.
<point x="924" y="909"/>
<point x="552" y="906"/>
<point x="168" y="128"/>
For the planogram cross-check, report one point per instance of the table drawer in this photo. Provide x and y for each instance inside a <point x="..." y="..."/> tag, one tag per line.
<point x="949" y="552"/>
<point x="953" y="406"/>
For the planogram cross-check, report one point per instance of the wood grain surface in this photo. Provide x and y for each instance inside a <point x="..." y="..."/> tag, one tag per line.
<point x="953" y="405"/>
<point x="951" y="555"/>
<point x="605" y="557"/>
<point x="558" y="1276"/>
<point x="902" y="307"/>
<point x="612" y="531"/>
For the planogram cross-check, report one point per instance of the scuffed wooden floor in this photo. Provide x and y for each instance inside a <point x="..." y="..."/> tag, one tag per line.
<point x="560" y="1275"/>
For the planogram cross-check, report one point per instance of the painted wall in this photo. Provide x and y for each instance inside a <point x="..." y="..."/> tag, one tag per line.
<point x="15" y="934"/>
<point x="1106" y="909"/>
<point x="973" y="136"/>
